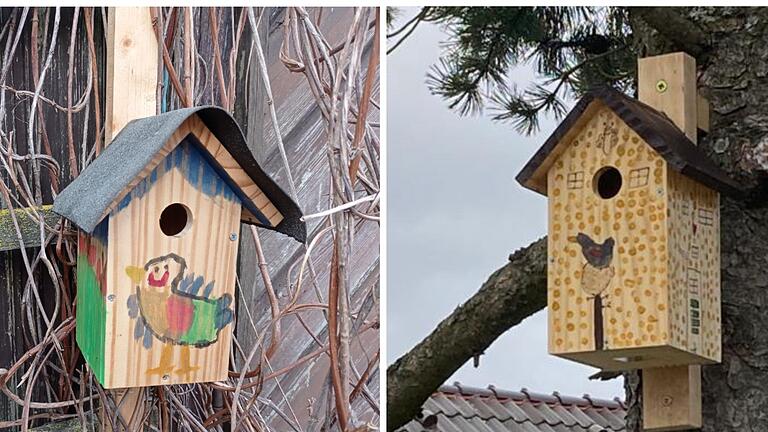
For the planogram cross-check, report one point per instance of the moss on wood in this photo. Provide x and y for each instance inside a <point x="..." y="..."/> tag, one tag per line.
<point x="28" y="226"/>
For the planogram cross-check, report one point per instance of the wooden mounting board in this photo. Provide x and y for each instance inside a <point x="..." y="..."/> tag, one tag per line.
<point x="672" y="398"/>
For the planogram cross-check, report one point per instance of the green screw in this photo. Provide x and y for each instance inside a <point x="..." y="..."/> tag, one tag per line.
<point x="661" y="86"/>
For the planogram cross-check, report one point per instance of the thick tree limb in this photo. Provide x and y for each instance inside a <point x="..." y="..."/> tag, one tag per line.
<point x="674" y="27"/>
<point x="511" y="294"/>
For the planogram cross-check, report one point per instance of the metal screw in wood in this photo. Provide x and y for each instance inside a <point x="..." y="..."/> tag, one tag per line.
<point x="666" y="401"/>
<point x="661" y="86"/>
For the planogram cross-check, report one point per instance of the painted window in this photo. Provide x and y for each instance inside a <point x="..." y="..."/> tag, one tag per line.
<point x="576" y="180"/>
<point x="694" y="252"/>
<point x="706" y="217"/>
<point x="639" y="177"/>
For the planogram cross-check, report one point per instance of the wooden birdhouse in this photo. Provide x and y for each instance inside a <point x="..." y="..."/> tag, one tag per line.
<point x="159" y="214"/>
<point x="634" y="237"/>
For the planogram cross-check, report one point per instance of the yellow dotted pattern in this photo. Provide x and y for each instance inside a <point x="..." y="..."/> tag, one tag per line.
<point x="694" y="266"/>
<point x="637" y="295"/>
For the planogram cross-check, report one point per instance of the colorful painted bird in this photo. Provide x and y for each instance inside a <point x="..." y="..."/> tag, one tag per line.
<point x="596" y="275"/>
<point x="167" y="306"/>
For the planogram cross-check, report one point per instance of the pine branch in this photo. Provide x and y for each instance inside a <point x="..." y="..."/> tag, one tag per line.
<point x="511" y="294"/>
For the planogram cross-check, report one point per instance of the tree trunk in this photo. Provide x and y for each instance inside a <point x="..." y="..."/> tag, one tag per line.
<point x="733" y="76"/>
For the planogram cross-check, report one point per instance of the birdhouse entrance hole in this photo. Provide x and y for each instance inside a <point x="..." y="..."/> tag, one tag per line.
<point x="607" y="182"/>
<point x="175" y="220"/>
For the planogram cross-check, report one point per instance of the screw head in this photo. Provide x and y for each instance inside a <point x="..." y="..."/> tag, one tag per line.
<point x="111" y="297"/>
<point x="661" y="86"/>
<point x="166" y="377"/>
<point x="233" y="236"/>
<point x="666" y="400"/>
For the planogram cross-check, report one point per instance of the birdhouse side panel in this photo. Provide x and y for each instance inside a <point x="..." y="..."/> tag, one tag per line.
<point x="607" y="270"/>
<point x="173" y="253"/>
<point x="694" y="263"/>
<point x="91" y="296"/>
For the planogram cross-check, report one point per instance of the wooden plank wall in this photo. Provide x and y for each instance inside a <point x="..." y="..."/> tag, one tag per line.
<point x="13" y="276"/>
<point x="304" y="137"/>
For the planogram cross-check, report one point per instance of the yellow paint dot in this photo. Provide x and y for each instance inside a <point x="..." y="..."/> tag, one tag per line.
<point x="570" y="327"/>
<point x="555" y="306"/>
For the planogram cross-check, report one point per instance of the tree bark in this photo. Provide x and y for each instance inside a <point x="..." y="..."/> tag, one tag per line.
<point x="511" y="294"/>
<point x="733" y="75"/>
<point x="676" y="28"/>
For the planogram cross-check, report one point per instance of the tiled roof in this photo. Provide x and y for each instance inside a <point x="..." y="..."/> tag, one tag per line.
<point x="456" y="407"/>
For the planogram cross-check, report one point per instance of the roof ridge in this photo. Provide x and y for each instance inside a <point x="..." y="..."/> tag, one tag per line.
<point x="527" y="420"/>
<point x="525" y="395"/>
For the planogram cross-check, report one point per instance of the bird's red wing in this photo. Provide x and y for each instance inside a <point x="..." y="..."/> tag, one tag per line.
<point x="180" y="312"/>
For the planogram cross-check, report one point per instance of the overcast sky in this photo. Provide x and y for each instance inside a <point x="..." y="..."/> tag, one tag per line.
<point x="455" y="213"/>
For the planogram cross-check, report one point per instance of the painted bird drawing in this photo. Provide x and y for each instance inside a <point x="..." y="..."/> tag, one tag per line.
<point x="168" y="305"/>
<point x="596" y="275"/>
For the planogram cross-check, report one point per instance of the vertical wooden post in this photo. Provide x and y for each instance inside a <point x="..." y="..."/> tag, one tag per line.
<point x="131" y="93"/>
<point x="131" y="68"/>
<point x="672" y="395"/>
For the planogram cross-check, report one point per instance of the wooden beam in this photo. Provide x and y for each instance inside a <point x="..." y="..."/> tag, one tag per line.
<point x="672" y="395"/>
<point x="131" y="69"/>
<point x="702" y="113"/>
<point x="132" y="64"/>
<point x="29" y="226"/>
<point x="668" y="83"/>
<point x="672" y="398"/>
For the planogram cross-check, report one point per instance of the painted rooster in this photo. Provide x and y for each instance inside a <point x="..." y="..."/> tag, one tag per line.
<point x="167" y="305"/>
<point x="596" y="275"/>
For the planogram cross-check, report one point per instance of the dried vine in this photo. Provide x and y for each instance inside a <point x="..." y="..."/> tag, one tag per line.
<point x="50" y="381"/>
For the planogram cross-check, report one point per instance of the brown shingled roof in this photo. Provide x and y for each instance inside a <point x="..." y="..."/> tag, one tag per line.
<point x="655" y="128"/>
<point x="460" y="408"/>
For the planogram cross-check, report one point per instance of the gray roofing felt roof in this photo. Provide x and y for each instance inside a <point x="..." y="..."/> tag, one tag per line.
<point x="86" y="199"/>
<point x="461" y="408"/>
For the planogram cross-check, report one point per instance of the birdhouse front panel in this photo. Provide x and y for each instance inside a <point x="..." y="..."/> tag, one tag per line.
<point x="619" y="295"/>
<point x="694" y="266"/>
<point x="607" y="273"/>
<point x="171" y="275"/>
